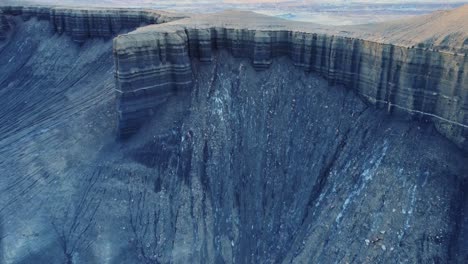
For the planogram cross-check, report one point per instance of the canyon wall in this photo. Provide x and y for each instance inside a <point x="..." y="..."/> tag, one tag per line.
<point x="155" y="62"/>
<point x="84" y="23"/>
<point x="271" y="166"/>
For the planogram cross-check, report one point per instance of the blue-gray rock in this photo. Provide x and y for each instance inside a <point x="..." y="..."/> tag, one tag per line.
<point x="246" y="159"/>
<point x="426" y="84"/>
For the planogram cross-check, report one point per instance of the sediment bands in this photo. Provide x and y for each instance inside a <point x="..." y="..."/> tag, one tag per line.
<point x="426" y="83"/>
<point x="81" y="23"/>
<point x="154" y="62"/>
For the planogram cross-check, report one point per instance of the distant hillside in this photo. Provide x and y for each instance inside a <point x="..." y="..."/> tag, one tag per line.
<point x="445" y="30"/>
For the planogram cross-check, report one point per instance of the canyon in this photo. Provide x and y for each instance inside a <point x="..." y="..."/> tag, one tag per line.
<point x="141" y="136"/>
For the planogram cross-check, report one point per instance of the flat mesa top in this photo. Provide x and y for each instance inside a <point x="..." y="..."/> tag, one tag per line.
<point x="95" y="10"/>
<point x="446" y="29"/>
<point x="441" y="30"/>
<point x="240" y="20"/>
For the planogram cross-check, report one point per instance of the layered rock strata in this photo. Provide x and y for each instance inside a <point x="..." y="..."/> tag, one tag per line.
<point x="154" y="62"/>
<point x="268" y="166"/>
<point x="148" y="73"/>
<point x="82" y="23"/>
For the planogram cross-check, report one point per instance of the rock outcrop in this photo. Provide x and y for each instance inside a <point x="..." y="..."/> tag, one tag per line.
<point x="154" y="62"/>
<point x="148" y="73"/>
<point x="84" y="23"/>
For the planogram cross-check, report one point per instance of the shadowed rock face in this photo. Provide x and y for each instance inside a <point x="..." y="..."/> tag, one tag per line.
<point x="246" y="166"/>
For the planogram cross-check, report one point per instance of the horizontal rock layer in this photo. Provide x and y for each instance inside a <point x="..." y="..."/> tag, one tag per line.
<point x="152" y="63"/>
<point x="147" y="74"/>
<point x="81" y="23"/>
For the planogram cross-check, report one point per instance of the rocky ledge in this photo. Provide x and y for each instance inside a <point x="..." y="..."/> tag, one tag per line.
<point x="84" y="23"/>
<point x="154" y="62"/>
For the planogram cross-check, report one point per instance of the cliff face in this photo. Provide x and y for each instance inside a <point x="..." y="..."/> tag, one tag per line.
<point x="270" y="166"/>
<point x="82" y="23"/>
<point x="425" y="83"/>
<point x="148" y="73"/>
<point x="153" y="63"/>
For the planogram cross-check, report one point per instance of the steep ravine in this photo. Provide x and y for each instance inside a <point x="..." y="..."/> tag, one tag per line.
<point x="246" y="166"/>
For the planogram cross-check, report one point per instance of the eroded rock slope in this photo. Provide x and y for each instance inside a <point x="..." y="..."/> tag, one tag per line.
<point x="245" y="166"/>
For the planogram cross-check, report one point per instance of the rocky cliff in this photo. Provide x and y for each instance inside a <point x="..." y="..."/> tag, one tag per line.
<point x="250" y="166"/>
<point x="156" y="61"/>
<point x="84" y="23"/>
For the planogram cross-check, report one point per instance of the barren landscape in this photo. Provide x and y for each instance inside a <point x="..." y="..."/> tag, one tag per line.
<point x="134" y="135"/>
